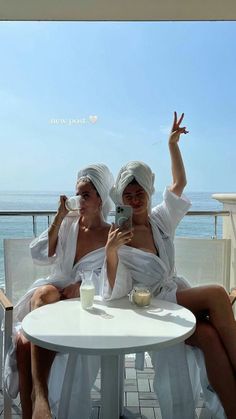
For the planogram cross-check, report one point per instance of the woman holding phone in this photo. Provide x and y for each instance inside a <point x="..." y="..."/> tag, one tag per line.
<point x="145" y="255"/>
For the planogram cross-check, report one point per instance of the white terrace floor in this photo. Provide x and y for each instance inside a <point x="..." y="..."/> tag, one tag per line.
<point x="140" y="400"/>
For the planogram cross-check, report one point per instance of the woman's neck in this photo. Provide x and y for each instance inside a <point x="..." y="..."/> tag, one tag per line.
<point x="91" y="223"/>
<point x="141" y="219"/>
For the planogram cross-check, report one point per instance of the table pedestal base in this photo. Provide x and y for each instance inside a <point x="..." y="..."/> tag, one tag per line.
<point x="67" y="386"/>
<point x="112" y="386"/>
<point x="111" y="381"/>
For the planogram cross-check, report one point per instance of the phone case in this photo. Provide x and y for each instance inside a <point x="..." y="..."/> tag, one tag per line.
<point x="124" y="216"/>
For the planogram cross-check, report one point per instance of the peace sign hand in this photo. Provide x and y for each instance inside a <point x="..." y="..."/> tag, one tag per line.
<point x="176" y="130"/>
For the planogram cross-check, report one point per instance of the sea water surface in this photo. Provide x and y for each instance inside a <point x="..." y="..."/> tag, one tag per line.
<point x="19" y="226"/>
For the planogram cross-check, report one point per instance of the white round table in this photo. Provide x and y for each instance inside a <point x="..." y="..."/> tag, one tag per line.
<point x="109" y="329"/>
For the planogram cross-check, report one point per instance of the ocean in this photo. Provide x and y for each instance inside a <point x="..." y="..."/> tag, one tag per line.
<point x="18" y="226"/>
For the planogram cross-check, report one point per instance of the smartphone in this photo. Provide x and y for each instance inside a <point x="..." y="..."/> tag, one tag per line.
<point x="123" y="217"/>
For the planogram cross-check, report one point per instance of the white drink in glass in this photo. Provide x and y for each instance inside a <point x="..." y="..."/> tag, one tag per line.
<point x="87" y="293"/>
<point x="142" y="298"/>
<point x="87" y="289"/>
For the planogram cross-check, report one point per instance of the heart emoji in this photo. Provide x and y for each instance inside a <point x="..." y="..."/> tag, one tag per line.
<point x="93" y="119"/>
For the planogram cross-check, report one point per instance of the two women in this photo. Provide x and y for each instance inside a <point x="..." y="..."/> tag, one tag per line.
<point x="146" y="255"/>
<point x="74" y="242"/>
<point x="143" y="255"/>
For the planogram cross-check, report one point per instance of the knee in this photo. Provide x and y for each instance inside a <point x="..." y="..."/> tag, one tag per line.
<point x="206" y="336"/>
<point x="44" y="295"/>
<point x="23" y="348"/>
<point x="219" y="292"/>
<point x="219" y="299"/>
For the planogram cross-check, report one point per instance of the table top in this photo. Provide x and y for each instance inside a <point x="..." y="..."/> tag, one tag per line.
<point x="110" y="327"/>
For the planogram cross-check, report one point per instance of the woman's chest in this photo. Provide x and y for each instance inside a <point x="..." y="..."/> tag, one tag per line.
<point x="87" y="242"/>
<point x="143" y="240"/>
<point x="143" y="260"/>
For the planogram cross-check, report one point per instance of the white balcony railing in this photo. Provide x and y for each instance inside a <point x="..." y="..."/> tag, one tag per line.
<point x="34" y="215"/>
<point x="200" y="260"/>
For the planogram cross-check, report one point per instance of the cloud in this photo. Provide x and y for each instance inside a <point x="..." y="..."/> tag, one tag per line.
<point x="9" y="99"/>
<point x="157" y="142"/>
<point x="165" y="129"/>
<point x="12" y="107"/>
<point x="114" y="134"/>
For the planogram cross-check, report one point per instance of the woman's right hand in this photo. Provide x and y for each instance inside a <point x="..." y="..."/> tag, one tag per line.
<point x="117" y="238"/>
<point x="56" y="225"/>
<point x="62" y="211"/>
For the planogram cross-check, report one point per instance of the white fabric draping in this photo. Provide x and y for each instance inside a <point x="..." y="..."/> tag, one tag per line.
<point x="180" y="372"/>
<point x="64" y="272"/>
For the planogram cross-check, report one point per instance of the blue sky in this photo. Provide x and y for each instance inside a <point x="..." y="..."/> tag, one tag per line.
<point x="83" y="92"/>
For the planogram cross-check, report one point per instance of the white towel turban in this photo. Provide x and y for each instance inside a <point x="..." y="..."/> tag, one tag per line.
<point x="102" y="179"/>
<point x="137" y="170"/>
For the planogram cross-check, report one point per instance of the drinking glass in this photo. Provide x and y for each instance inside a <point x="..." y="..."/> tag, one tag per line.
<point x="87" y="289"/>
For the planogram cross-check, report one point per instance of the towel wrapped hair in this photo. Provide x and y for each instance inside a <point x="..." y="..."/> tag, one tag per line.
<point x="137" y="170"/>
<point x="102" y="179"/>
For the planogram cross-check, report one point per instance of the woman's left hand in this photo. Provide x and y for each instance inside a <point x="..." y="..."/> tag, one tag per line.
<point x="176" y="130"/>
<point x="71" y="291"/>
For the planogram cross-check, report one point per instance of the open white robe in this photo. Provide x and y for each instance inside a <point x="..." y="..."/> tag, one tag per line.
<point x="180" y="372"/>
<point x="64" y="272"/>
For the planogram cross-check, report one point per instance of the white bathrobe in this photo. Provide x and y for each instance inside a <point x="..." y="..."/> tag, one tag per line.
<point x="180" y="372"/>
<point x="64" y="272"/>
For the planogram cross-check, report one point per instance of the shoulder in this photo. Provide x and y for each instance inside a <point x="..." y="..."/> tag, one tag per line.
<point x="170" y="211"/>
<point x="105" y="230"/>
<point x="71" y="217"/>
<point x="171" y="200"/>
<point x="106" y="227"/>
<point x="68" y="223"/>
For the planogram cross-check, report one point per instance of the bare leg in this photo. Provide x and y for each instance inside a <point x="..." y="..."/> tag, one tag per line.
<point x="215" y="301"/>
<point x="42" y="359"/>
<point x="23" y="354"/>
<point x="219" y="369"/>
